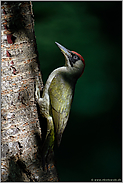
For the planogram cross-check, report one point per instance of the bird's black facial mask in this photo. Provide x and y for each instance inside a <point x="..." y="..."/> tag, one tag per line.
<point x="73" y="59"/>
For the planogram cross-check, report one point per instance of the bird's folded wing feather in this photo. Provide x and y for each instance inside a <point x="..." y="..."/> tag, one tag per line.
<point x="61" y="94"/>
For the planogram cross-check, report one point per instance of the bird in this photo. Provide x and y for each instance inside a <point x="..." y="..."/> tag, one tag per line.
<point x="57" y="97"/>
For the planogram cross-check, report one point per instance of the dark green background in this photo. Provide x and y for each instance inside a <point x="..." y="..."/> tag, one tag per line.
<point x="91" y="143"/>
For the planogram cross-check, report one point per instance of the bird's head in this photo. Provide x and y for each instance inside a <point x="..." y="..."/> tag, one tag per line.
<point x="73" y="60"/>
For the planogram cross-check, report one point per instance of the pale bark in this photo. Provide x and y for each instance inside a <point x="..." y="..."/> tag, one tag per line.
<point x="20" y="125"/>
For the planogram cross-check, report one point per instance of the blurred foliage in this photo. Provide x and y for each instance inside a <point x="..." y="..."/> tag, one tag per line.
<point x="91" y="144"/>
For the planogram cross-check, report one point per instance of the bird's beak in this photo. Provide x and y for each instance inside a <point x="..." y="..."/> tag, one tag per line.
<point x="65" y="51"/>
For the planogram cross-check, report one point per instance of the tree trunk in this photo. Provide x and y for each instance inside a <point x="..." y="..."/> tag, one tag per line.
<point x="21" y="134"/>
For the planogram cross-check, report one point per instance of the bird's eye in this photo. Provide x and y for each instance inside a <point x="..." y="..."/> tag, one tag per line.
<point x="75" y="57"/>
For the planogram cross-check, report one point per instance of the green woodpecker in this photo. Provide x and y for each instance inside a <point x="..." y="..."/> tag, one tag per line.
<point x="57" y="96"/>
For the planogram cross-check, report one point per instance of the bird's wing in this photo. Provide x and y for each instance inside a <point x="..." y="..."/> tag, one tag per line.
<point x="61" y="94"/>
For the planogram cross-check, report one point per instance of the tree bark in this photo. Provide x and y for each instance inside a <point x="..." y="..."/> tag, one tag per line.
<point x="21" y="134"/>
